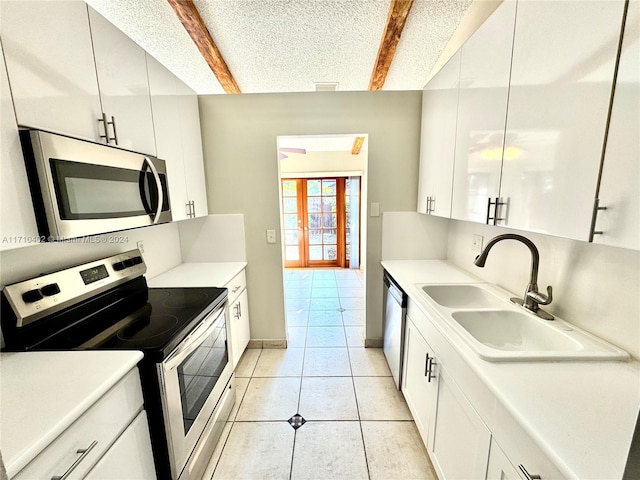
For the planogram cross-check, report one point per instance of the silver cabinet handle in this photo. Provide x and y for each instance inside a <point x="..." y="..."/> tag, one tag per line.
<point x="235" y="289"/>
<point x="84" y="452"/>
<point x="596" y="208"/>
<point x="113" y="125"/>
<point x="497" y="203"/>
<point x="429" y="362"/>
<point x="105" y="123"/>
<point x="156" y="176"/>
<point x="527" y="475"/>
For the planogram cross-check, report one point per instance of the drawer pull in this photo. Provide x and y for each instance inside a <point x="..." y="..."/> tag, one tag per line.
<point x="527" y="475"/>
<point x="235" y="289"/>
<point x="84" y="452"/>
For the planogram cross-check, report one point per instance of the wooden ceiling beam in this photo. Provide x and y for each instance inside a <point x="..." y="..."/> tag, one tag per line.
<point x="396" y="19"/>
<point x="357" y="145"/>
<point x="195" y="26"/>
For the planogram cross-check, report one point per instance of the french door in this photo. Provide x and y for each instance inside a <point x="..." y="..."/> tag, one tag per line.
<point x="314" y="222"/>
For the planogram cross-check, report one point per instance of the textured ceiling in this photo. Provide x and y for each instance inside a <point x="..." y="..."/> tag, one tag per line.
<point x="288" y="45"/>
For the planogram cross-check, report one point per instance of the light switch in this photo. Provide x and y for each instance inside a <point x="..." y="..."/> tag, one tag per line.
<point x="271" y="236"/>
<point x="375" y="209"/>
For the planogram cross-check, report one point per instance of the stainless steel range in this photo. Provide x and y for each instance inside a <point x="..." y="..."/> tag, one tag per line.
<point x="186" y="373"/>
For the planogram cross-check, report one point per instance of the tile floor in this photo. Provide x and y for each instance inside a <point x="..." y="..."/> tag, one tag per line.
<point x="357" y="425"/>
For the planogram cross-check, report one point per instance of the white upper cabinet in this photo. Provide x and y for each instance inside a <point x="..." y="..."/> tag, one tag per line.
<point x="562" y="70"/>
<point x="482" y="109"/>
<point x="51" y="68"/>
<point x="124" y="87"/>
<point x="620" y="184"/>
<point x="166" y="121"/>
<point x="17" y="220"/>
<point x="176" y="119"/>
<point x="192" y="150"/>
<point x="437" y="145"/>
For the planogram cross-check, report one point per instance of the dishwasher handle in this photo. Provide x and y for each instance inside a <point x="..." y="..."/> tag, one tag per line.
<point x="394" y="290"/>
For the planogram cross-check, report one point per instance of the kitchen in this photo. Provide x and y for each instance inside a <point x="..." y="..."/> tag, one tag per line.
<point x="606" y="276"/>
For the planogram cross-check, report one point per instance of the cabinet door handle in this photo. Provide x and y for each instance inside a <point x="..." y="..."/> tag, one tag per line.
<point x="596" y="208"/>
<point x="497" y="203"/>
<point x="432" y="204"/>
<point x="84" y="452"/>
<point x="527" y="475"/>
<point x="193" y="208"/>
<point x="431" y="375"/>
<point x="115" y="132"/>
<point x="426" y="365"/>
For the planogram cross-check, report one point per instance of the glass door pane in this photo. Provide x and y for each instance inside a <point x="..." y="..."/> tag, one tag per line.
<point x="322" y="221"/>
<point x="292" y="223"/>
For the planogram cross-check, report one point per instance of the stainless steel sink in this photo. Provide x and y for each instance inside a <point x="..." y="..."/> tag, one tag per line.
<point x="462" y="296"/>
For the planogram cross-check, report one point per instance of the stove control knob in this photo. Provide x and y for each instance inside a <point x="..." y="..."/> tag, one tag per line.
<point x="118" y="266"/>
<point x="51" y="289"/>
<point x="31" y="296"/>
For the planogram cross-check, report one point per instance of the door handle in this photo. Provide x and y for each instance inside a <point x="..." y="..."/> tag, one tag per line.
<point x="156" y="176"/>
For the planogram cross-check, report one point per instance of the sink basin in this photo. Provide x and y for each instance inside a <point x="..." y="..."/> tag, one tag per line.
<point x="509" y="335"/>
<point x="462" y="296"/>
<point x="511" y="330"/>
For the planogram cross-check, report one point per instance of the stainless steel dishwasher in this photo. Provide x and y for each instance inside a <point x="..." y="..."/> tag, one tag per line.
<point x="395" y="310"/>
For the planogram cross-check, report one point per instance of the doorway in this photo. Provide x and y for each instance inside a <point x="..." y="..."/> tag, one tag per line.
<point x="318" y="221"/>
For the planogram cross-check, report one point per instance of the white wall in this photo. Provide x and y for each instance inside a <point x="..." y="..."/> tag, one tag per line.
<point x="161" y="252"/>
<point x="239" y="139"/>
<point x="594" y="287"/>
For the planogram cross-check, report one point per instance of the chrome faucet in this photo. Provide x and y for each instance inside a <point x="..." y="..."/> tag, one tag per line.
<point x="532" y="297"/>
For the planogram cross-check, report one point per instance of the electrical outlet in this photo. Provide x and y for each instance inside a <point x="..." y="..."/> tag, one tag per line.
<point x="476" y="243"/>
<point x="271" y="236"/>
<point x="140" y="246"/>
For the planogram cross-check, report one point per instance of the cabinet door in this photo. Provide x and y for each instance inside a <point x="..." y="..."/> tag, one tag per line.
<point x="500" y="467"/>
<point x="620" y="184"/>
<point x="240" y="330"/>
<point x="561" y="78"/>
<point x="50" y="64"/>
<point x="461" y="440"/>
<point x="17" y="219"/>
<point x="437" y="141"/>
<point x="419" y="392"/>
<point x="485" y="66"/>
<point x="192" y="149"/>
<point x="165" y="105"/>
<point x="129" y="457"/>
<point x="124" y="88"/>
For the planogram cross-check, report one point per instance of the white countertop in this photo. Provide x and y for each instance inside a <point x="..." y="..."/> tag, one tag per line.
<point x="43" y="393"/>
<point x="581" y="414"/>
<point x="198" y="275"/>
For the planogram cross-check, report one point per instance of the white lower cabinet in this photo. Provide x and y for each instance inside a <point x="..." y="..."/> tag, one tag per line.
<point x="129" y="457"/>
<point x="99" y="435"/>
<point x="455" y="436"/>
<point x="420" y="390"/>
<point x="460" y="446"/>
<point x="500" y="467"/>
<point x="239" y="312"/>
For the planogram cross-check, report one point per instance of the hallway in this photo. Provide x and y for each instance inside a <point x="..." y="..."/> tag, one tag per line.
<point x="357" y="425"/>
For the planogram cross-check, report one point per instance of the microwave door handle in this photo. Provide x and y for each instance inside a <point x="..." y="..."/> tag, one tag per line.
<point x="156" y="176"/>
<point x="192" y="341"/>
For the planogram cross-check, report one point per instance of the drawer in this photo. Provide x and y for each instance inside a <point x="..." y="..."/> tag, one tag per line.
<point x="96" y="429"/>
<point x="236" y="286"/>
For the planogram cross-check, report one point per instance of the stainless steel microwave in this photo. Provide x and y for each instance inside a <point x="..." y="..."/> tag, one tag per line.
<point x="81" y="188"/>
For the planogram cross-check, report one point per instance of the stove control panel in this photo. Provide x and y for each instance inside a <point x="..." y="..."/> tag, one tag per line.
<point x="34" y="299"/>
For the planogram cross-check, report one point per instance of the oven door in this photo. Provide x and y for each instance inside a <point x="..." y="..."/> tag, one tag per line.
<point x="85" y="188"/>
<point x="194" y="377"/>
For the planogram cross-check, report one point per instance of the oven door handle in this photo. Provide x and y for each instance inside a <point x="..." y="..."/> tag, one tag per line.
<point x="193" y="340"/>
<point x="156" y="176"/>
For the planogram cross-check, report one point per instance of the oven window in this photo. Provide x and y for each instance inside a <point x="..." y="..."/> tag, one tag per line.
<point x="199" y="372"/>
<point x="88" y="191"/>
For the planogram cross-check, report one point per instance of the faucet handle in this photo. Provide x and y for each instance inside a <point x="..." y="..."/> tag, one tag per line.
<point x="540" y="298"/>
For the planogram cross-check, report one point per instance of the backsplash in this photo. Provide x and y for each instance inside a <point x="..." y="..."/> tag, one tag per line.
<point x="161" y="252"/>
